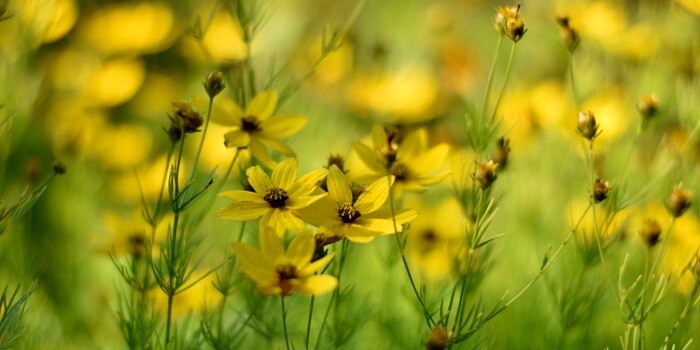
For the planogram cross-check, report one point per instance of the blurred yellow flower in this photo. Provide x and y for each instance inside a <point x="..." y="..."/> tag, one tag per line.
<point x="198" y="298"/>
<point x="49" y="20"/>
<point x="129" y="235"/>
<point x="409" y="160"/>
<point x="279" y="271"/>
<point x="128" y="28"/>
<point x="407" y="95"/>
<point x="222" y="40"/>
<point x="434" y="237"/>
<point x="254" y="127"/>
<point x="357" y="218"/>
<point x="692" y="5"/>
<point x="274" y="199"/>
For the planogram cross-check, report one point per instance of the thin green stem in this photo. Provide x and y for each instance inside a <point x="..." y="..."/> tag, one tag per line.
<point x="505" y="81"/>
<point x="308" y="322"/>
<point x="574" y="93"/>
<point x="201" y="142"/>
<point x="492" y="73"/>
<point x="284" y="322"/>
<point x="428" y="318"/>
<point x="159" y="200"/>
<point x="684" y="313"/>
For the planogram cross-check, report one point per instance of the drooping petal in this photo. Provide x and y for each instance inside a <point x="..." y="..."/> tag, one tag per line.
<point x="277" y="145"/>
<point x="224" y="112"/>
<point x="243" y="211"/>
<point x="259" y="180"/>
<point x="245" y="196"/>
<point x="271" y="222"/>
<point x="236" y="138"/>
<point x="261" y="154"/>
<point x="283" y="125"/>
<point x="247" y="255"/>
<point x="338" y="186"/>
<point x="379" y="226"/>
<point x="379" y="139"/>
<point x="402" y="216"/>
<point x="285" y="173"/>
<point x="374" y="195"/>
<point x="301" y="250"/>
<point x="317" y="284"/>
<point x="263" y="105"/>
<point x="360" y="239"/>
<point x="369" y="157"/>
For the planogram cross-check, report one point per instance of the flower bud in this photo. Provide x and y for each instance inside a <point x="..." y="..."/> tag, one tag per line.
<point x="648" y="106"/>
<point x="59" y="168"/>
<point x="515" y="28"/>
<point x="600" y="190"/>
<point x="651" y="231"/>
<point x="502" y="16"/>
<point x="337" y="160"/>
<point x="569" y="36"/>
<point x="485" y="174"/>
<point x="679" y="201"/>
<point x="502" y="152"/>
<point x="189" y="120"/>
<point x="439" y="339"/>
<point x="586" y="125"/>
<point x="214" y="83"/>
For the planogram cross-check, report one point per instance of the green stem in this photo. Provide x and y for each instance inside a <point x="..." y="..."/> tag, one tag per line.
<point x="684" y="313"/>
<point x="284" y="322"/>
<point x="159" y="200"/>
<point x="492" y="73"/>
<point x="505" y="81"/>
<point x="574" y="94"/>
<point x="201" y="142"/>
<point x="308" y="322"/>
<point x="426" y="313"/>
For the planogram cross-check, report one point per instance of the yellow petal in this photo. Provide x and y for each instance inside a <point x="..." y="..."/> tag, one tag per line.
<point x="261" y="154"/>
<point x="243" y="211"/>
<point x="379" y="226"/>
<point x="270" y="222"/>
<point x="289" y="221"/>
<point x="374" y="195"/>
<point x="307" y="184"/>
<point x="379" y="139"/>
<point x="318" y="284"/>
<point x="285" y="173"/>
<point x="428" y="161"/>
<point x="295" y="203"/>
<point x="369" y="157"/>
<point x="271" y="245"/>
<point x="278" y="146"/>
<point x="236" y="138"/>
<point x="301" y="250"/>
<point x="259" y="180"/>
<point x="263" y="105"/>
<point x="401" y="216"/>
<point x="317" y="265"/>
<point x="245" y="196"/>
<point x="322" y="211"/>
<point x="339" y="186"/>
<point x="360" y="239"/>
<point x="246" y="254"/>
<point x="283" y="125"/>
<point x="412" y="145"/>
<point x="224" y="112"/>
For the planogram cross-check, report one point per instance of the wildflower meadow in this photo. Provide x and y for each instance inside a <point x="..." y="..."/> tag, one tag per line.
<point x="350" y="174"/>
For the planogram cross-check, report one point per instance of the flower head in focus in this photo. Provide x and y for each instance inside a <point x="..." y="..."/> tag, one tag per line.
<point x="355" y="217"/>
<point x="276" y="270"/>
<point x="255" y="127"/>
<point x="275" y="199"/>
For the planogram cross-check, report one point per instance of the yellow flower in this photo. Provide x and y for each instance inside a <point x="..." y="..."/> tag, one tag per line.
<point x="434" y="238"/>
<point x="129" y="235"/>
<point x="410" y="162"/>
<point x="254" y="127"/>
<point x="359" y="219"/>
<point x="274" y="199"/>
<point x="276" y="271"/>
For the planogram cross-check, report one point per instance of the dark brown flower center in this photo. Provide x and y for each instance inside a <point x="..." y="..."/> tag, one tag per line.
<point x="250" y="124"/>
<point x="400" y="171"/>
<point x="286" y="272"/>
<point x="348" y="213"/>
<point x="276" y="197"/>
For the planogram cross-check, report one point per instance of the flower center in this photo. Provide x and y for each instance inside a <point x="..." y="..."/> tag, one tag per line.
<point x="286" y="273"/>
<point x="250" y="124"/>
<point x="348" y="213"/>
<point x="276" y="197"/>
<point x="400" y="171"/>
